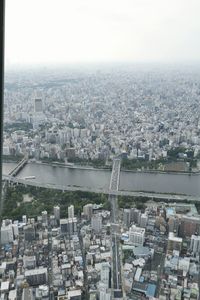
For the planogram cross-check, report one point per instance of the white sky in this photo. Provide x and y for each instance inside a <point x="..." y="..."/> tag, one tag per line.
<point x="51" y="31"/>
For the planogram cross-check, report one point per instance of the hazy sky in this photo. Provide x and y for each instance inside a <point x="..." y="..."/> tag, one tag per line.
<point x="50" y="31"/>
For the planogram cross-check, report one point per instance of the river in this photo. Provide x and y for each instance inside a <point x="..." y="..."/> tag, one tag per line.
<point x="129" y="181"/>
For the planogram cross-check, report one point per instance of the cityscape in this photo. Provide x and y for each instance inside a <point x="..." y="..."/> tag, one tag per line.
<point x="118" y="245"/>
<point x="100" y="150"/>
<point x="97" y="115"/>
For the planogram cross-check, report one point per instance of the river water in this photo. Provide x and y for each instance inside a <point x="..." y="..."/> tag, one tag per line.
<point x="129" y="181"/>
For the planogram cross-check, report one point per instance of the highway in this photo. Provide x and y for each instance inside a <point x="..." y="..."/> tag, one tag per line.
<point x="115" y="228"/>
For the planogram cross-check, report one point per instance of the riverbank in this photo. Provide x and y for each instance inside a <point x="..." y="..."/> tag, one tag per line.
<point x="162" y="172"/>
<point x="69" y="166"/>
<point x="85" y="167"/>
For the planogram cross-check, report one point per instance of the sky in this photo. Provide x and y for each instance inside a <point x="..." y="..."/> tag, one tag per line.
<point x="95" y="31"/>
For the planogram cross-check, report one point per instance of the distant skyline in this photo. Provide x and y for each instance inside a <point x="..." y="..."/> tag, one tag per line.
<point x="95" y="31"/>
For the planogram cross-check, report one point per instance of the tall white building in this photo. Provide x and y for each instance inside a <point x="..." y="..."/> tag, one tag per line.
<point x="96" y="223"/>
<point x="136" y="235"/>
<point x="6" y="234"/>
<point x="44" y="217"/>
<point x="71" y="211"/>
<point x="195" y="243"/>
<point x="56" y="212"/>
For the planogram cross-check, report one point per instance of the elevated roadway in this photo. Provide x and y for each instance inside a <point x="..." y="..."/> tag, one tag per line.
<point x="115" y="229"/>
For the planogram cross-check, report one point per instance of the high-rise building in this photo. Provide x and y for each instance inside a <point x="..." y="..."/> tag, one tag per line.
<point x="96" y="223"/>
<point x="71" y="211"/>
<point x="127" y="217"/>
<point x="105" y="273"/>
<point x="44" y="217"/>
<point x="56" y="212"/>
<point x="88" y="210"/>
<point x="136" y="235"/>
<point x="6" y="233"/>
<point x="195" y="244"/>
<point x="38" y="107"/>
<point x="143" y="220"/>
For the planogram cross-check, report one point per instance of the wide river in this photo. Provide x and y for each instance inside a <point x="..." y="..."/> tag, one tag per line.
<point x="129" y="181"/>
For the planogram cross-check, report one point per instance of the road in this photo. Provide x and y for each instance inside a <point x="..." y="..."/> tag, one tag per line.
<point x="115" y="229"/>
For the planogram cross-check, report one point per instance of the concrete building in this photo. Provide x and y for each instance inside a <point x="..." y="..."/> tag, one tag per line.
<point x="56" y="212"/>
<point x="195" y="244"/>
<point x="135" y="215"/>
<point x="71" y="211"/>
<point x="136" y="235"/>
<point x="189" y="225"/>
<point x="88" y="210"/>
<point x="96" y="223"/>
<point x="127" y="217"/>
<point x="68" y="226"/>
<point x="143" y="220"/>
<point x="29" y="262"/>
<point x="44" y="217"/>
<point x="105" y="273"/>
<point x="174" y="243"/>
<point x="36" y="276"/>
<point x="6" y="233"/>
<point x="29" y="232"/>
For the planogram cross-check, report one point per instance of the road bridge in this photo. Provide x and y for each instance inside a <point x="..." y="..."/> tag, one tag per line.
<point x="18" y="168"/>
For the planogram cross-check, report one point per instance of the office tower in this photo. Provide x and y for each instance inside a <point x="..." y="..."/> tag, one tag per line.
<point x="71" y="211"/>
<point x="195" y="244"/>
<point x="38" y="106"/>
<point x="127" y="217"/>
<point x="56" y="211"/>
<point x="96" y="223"/>
<point x="136" y="235"/>
<point x="88" y="210"/>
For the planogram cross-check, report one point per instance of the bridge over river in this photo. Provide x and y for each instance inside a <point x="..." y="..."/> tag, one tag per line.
<point x="168" y="187"/>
